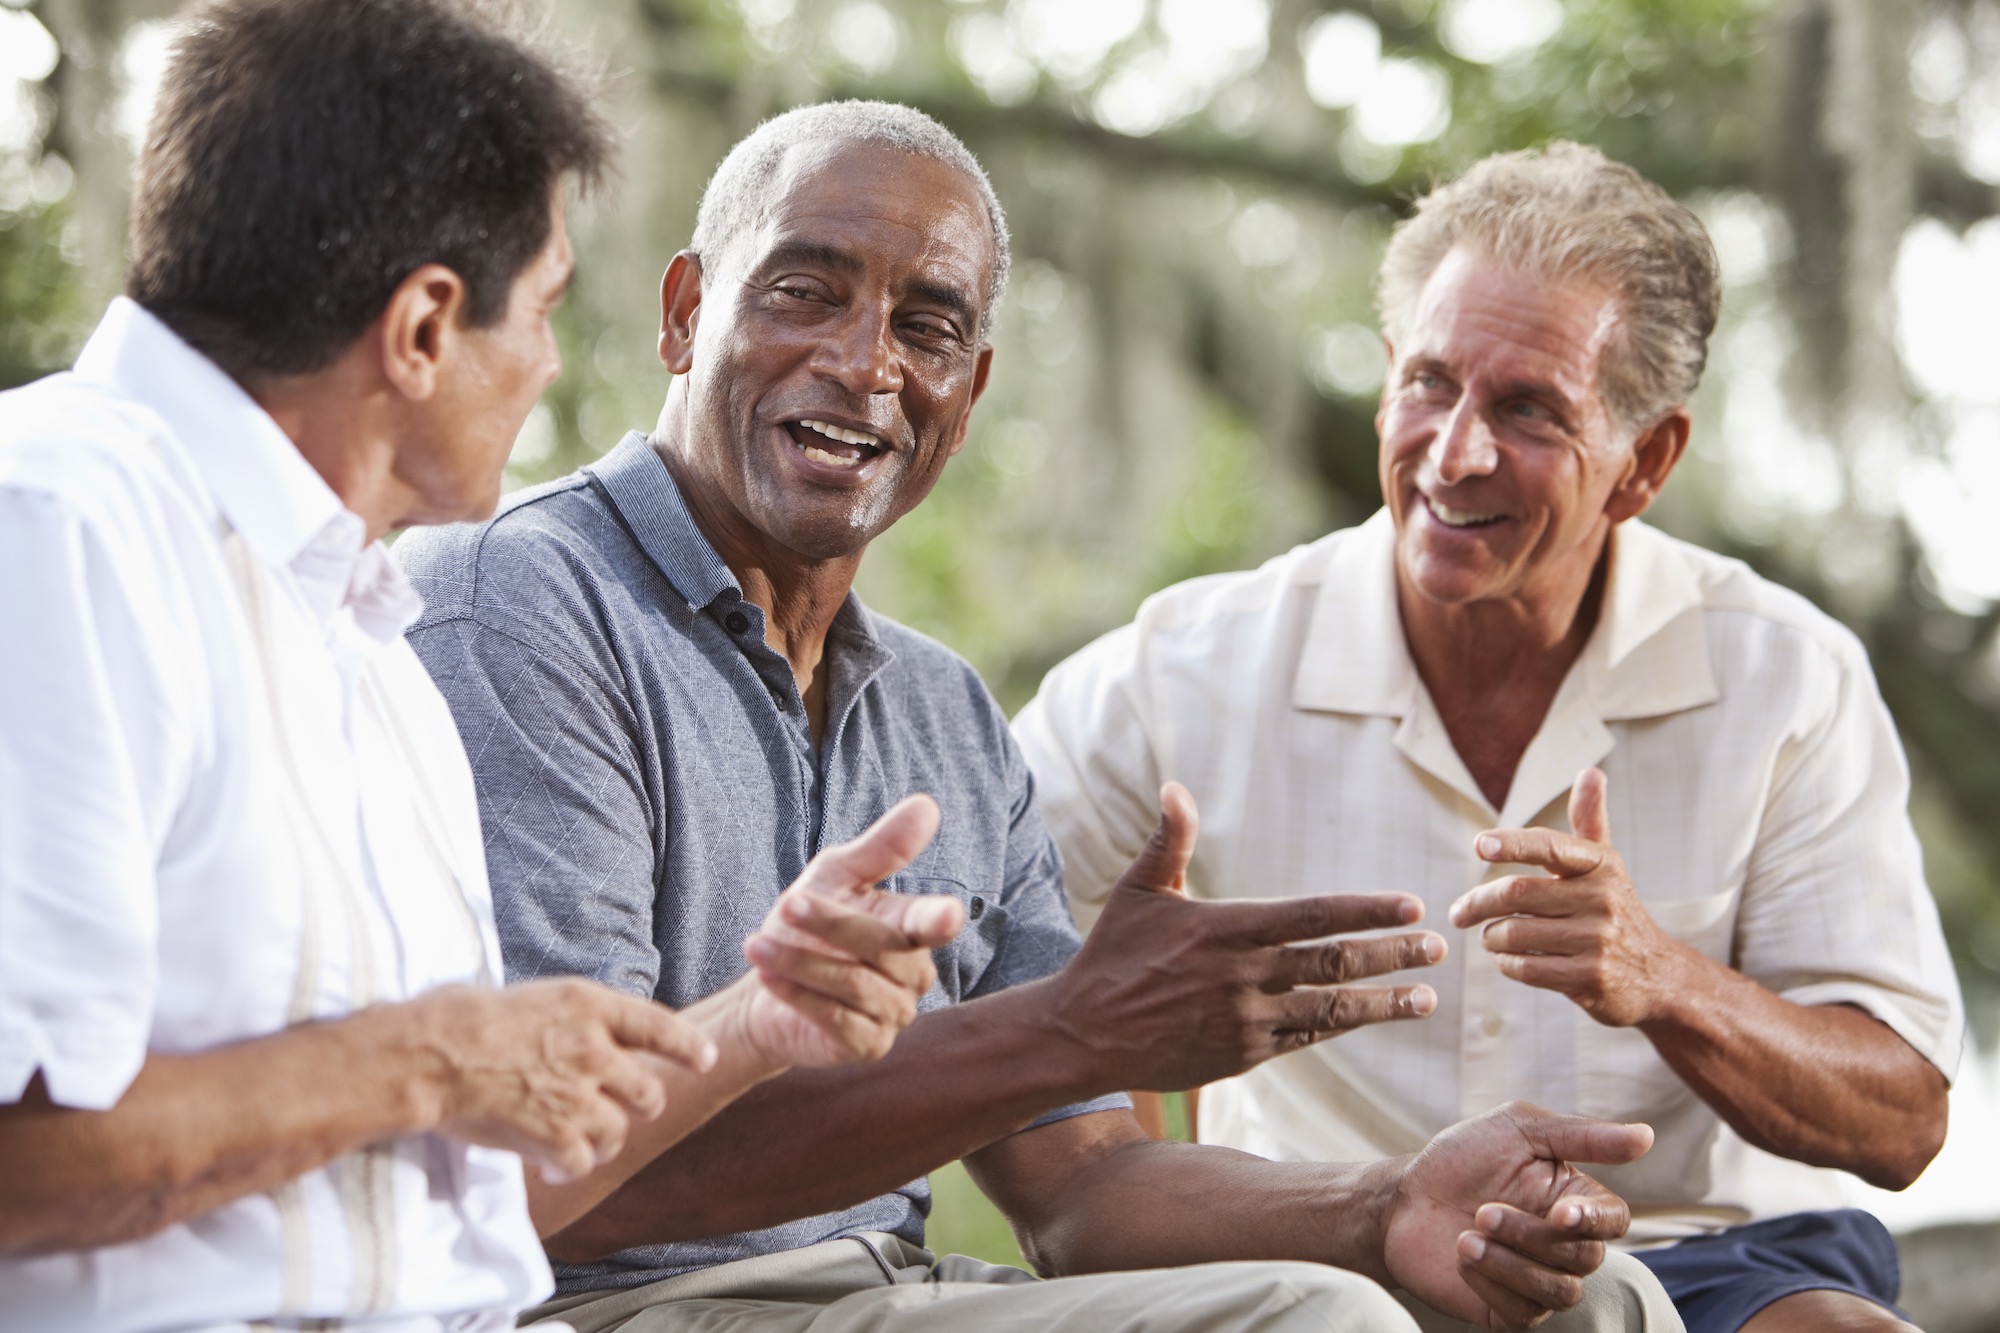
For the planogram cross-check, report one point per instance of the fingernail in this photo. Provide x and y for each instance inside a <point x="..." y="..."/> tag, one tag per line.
<point x="760" y="949"/>
<point x="799" y="907"/>
<point x="1472" y="1245"/>
<point x="707" y="1057"/>
<point x="1488" y="845"/>
<point x="1423" y="1001"/>
<point x="1411" y="910"/>
<point x="1568" y="1214"/>
<point x="1489" y="1217"/>
<point x="1434" y="949"/>
<point x="554" y="1175"/>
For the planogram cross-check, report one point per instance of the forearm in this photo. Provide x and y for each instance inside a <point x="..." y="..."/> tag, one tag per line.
<point x="195" y="1132"/>
<point x="1150" y="1204"/>
<point x="1827" y="1084"/>
<point x="815" y="1140"/>
<point x="691" y="1100"/>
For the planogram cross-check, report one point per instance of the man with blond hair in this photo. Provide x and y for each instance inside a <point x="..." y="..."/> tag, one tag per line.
<point x="1661" y="795"/>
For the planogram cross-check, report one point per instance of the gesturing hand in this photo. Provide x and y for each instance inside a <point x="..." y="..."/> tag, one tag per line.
<point x="1169" y="993"/>
<point x="1490" y="1223"/>
<point x="554" y="1070"/>
<point x="840" y="964"/>
<point x="1583" y="932"/>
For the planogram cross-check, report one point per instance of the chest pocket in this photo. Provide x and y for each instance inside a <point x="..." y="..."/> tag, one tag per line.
<point x="962" y="963"/>
<point x="1619" y="1076"/>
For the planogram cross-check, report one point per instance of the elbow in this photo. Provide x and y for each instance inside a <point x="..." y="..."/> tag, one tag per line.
<point x="1905" y="1153"/>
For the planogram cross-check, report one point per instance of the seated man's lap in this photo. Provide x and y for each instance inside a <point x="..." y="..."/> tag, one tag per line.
<point x="1720" y="1282"/>
<point x="959" y="1293"/>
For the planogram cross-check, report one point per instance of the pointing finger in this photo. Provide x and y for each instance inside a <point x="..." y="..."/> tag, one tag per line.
<point x="1558" y="852"/>
<point x="1514" y="895"/>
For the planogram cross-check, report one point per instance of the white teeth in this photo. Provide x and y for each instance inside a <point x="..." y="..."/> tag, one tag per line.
<point x="819" y="455"/>
<point x="844" y="435"/>
<point x="1459" y="518"/>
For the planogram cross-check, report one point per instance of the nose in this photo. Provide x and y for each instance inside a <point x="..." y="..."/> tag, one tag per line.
<point x="860" y="356"/>
<point x="1465" y="447"/>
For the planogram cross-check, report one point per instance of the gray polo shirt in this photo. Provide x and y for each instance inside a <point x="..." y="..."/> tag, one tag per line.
<point x="648" y="782"/>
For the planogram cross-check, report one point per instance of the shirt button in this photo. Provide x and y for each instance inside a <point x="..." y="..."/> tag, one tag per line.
<point x="1491" y="1025"/>
<point x="737" y="622"/>
<point x="978" y="909"/>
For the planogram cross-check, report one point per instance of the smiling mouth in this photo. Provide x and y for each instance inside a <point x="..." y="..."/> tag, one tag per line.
<point x="1459" y="518"/>
<point x="835" y="446"/>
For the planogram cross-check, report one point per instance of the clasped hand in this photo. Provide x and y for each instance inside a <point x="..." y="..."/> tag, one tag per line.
<point x="1581" y="930"/>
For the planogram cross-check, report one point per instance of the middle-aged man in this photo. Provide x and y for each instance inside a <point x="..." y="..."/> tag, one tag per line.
<point x="254" y="1071"/>
<point x="671" y="697"/>
<point x="1720" y="928"/>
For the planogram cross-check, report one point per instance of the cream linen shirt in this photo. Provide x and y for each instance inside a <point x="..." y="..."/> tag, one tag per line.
<point x="1757" y="793"/>
<point x="222" y="814"/>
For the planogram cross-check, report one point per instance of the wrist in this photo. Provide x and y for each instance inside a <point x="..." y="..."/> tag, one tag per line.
<point x="1683" y="986"/>
<point x="1372" y="1213"/>
<point x="726" y="1016"/>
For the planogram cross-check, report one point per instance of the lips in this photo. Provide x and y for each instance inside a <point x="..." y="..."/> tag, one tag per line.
<point x="833" y="445"/>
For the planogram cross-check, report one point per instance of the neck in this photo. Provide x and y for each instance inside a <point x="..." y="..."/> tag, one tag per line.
<point x="336" y="418"/>
<point x="798" y="594"/>
<point x="1494" y="667"/>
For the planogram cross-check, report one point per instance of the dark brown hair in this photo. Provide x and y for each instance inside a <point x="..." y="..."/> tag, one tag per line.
<point x="306" y="156"/>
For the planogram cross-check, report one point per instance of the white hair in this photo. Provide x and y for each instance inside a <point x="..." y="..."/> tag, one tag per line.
<point x="739" y="191"/>
<point x="1567" y="212"/>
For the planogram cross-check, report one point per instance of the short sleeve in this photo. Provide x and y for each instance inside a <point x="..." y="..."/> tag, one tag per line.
<point x="1835" y="908"/>
<point x="1096" y="769"/>
<point x="567" y="824"/>
<point x="93" y="754"/>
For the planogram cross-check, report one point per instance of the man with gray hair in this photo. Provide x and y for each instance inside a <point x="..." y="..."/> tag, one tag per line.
<point x="1663" y="793"/>
<point x="671" y="696"/>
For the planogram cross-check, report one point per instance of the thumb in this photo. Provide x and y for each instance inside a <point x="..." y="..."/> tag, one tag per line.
<point x="882" y="849"/>
<point x="1161" y="867"/>
<point x="1588" y="818"/>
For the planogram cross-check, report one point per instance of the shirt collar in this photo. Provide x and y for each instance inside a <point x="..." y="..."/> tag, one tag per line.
<point x="1647" y="657"/>
<point x="644" y="493"/>
<point x="259" y="479"/>
<point x="263" y="485"/>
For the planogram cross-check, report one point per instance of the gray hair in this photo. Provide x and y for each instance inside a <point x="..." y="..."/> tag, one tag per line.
<point x="1567" y="212"/>
<point x="737" y="194"/>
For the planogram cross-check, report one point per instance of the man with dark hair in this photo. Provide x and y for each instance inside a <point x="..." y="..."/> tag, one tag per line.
<point x="254" y="1068"/>
<point x="672" y="697"/>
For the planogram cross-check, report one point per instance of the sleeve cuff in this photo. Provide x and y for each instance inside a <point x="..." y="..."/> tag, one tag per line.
<point x="1935" y="1030"/>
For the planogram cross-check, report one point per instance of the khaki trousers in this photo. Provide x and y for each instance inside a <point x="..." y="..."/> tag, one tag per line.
<point x="879" y="1282"/>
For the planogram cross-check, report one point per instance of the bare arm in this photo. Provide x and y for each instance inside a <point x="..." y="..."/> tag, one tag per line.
<point x="1824" y="1084"/>
<point x="1167" y="993"/>
<point x="1489" y="1223"/>
<point x="194" y="1132"/>
<point x="559" y="1071"/>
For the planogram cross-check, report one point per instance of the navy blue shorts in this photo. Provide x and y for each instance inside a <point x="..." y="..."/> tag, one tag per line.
<point x="1718" y="1282"/>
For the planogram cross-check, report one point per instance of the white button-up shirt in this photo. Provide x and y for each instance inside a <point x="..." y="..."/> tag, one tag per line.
<point x="1757" y="794"/>
<point x="230" y="800"/>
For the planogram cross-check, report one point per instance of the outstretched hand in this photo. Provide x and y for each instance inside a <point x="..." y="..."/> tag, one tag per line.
<point x="1581" y="930"/>
<point x="1170" y="993"/>
<point x="1492" y="1224"/>
<point x="839" y="963"/>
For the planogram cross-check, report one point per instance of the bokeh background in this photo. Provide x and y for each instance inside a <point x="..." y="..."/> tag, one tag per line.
<point x="1188" y="364"/>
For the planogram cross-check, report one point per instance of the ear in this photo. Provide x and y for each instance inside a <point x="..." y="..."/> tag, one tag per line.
<point x="1654" y="454"/>
<point x="680" y="312"/>
<point x="981" y="368"/>
<point x="420" y="326"/>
